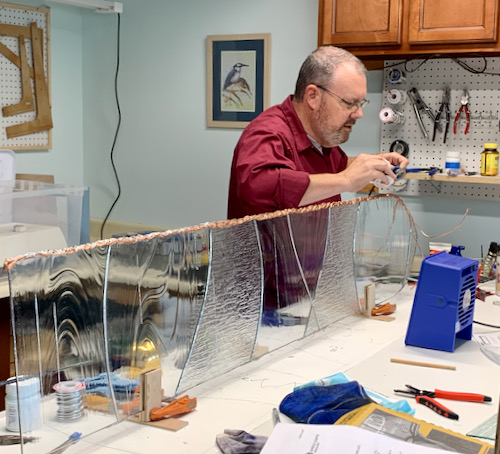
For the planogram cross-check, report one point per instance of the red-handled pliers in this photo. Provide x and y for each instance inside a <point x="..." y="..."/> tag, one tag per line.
<point x="464" y="101"/>
<point x="427" y="398"/>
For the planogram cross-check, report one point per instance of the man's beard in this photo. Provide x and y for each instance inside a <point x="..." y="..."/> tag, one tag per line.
<point x="329" y="138"/>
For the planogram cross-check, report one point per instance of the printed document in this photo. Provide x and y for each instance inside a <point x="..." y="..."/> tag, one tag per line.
<point x="337" y="439"/>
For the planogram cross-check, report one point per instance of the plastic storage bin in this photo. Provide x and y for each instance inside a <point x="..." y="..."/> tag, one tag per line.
<point x="36" y="216"/>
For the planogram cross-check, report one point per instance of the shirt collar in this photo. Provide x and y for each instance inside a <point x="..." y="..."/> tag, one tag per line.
<point x="302" y="140"/>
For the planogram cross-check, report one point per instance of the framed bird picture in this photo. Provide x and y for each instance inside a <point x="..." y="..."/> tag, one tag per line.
<point x="238" y="72"/>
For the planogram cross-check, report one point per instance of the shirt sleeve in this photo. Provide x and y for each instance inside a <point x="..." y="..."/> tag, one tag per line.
<point x="268" y="178"/>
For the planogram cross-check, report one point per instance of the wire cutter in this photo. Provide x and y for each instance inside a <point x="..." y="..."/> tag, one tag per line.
<point x="444" y="108"/>
<point x="418" y="106"/>
<point x="464" y="101"/>
<point x="427" y="398"/>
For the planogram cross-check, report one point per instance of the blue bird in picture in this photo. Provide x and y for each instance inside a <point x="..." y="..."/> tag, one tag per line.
<point x="234" y="84"/>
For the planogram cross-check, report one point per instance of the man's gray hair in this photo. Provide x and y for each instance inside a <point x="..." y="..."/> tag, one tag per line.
<point x="319" y="68"/>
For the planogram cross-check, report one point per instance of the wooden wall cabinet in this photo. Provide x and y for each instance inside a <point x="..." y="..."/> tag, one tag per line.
<point x="401" y="28"/>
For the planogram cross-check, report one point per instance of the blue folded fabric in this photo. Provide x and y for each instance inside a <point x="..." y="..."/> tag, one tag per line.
<point x="100" y="384"/>
<point x="324" y="404"/>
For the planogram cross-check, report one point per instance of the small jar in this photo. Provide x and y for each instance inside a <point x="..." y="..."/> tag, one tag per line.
<point x="28" y="407"/>
<point x="452" y="165"/>
<point x="489" y="160"/>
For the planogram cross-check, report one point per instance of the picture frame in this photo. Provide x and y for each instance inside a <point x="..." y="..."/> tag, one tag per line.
<point x="238" y="78"/>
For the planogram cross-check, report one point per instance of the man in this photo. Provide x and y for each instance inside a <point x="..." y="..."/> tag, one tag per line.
<point x="289" y="156"/>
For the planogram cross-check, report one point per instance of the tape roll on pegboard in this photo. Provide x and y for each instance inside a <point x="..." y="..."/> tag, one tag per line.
<point x="396" y="76"/>
<point x="396" y="96"/>
<point x="388" y="115"/>
<point x="401" y="147"/>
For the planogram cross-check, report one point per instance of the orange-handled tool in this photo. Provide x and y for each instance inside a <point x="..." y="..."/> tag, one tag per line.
<point x="467" y="397"/>
<point x="180" y="406"/>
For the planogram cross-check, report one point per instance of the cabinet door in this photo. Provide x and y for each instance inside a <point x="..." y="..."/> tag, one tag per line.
<point x="360" y="22"/>
<point x="448" y="21"/>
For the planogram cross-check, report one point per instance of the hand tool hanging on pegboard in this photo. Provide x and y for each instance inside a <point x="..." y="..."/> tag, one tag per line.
<point x="444" y="108"/>
<point x="418" y="106"/>
<point x="464" y="101"/>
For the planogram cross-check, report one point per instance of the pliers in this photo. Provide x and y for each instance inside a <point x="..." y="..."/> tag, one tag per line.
<point x="427" y="398"/>
<point x="464" y="101"/>
<point x="418" y="106"/>
<point x="14" y="439"/>
<point x="444" y="108"/>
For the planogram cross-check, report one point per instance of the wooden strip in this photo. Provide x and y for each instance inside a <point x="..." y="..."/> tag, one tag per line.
<point x="6" y="52"/>
<point x="14" y="30"/>
<point x="26" y="104"/>
<point x="43" y="120"/>
<point x="422" y="364"/>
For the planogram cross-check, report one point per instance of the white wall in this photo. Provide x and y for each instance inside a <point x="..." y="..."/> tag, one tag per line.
<point x="174" y="171"/>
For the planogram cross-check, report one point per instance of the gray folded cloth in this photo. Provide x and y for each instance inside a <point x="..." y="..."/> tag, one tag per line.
<point x="235" y="441"/>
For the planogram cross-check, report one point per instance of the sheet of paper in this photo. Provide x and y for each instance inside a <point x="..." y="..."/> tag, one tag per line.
<point x="341" y="439"/>
<point x="489" y="339"/>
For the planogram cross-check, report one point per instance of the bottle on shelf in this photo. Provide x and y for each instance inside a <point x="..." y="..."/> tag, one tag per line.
<point x="489" y="160"/>
<point x="488" y="262"/>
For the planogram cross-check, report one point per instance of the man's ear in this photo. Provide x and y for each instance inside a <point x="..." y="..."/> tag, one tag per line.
<point x="312" y="96"/>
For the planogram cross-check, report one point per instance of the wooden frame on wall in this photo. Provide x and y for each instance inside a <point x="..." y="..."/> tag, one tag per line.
<point x="26" y="118"/>
<point x="238" y="78"/>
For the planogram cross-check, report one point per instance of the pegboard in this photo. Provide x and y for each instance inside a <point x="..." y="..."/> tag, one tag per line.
<point x="430" y="77"/>
<point x="11" y="91"/>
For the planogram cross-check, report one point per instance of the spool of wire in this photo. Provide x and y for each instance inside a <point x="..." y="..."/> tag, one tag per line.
<point x="396" y="76"/>
<point x="388" y="115"/>
<point x="396" y="96"/>
<point x="70" y="398"/>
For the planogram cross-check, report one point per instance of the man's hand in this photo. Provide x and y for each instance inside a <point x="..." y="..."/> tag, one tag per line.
<point x="366" y="168"/>
<point x="396" y="159"/>
<point x="360" y="171"/>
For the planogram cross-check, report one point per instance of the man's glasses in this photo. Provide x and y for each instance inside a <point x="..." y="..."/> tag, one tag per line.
<point x="351" y="105"/>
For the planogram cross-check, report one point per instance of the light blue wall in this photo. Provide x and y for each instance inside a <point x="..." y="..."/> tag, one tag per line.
<point x="173" y="169"/>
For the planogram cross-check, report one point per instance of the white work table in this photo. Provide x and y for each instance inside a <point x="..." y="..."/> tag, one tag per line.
<point x="358" y="346"/>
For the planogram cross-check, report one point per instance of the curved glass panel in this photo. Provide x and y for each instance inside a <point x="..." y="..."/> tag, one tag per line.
<point x="194" y="303"/>
<point x="384" y="246"/>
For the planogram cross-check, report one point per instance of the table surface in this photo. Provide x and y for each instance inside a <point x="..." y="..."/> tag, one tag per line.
<point x="357" y="346"/>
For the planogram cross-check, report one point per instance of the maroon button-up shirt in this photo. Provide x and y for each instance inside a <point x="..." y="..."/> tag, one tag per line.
<point x="272" y="162"/>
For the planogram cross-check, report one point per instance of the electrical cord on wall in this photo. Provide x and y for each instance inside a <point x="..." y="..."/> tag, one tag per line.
<point x="422" y="59"/>
<point x="117" y="129"/>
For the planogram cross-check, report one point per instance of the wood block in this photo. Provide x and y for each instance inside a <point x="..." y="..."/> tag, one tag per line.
<point x="151" y="395"/>
<point x="172" y="424"/>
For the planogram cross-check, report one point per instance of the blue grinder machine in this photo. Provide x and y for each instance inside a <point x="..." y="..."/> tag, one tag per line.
<point x="443" y="307"/>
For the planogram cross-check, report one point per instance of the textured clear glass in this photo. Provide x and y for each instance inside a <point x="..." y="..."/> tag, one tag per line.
<point x="195" y="302"/>
<point x="384" y="246"/>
